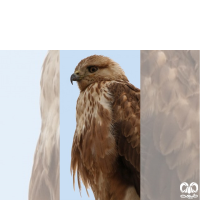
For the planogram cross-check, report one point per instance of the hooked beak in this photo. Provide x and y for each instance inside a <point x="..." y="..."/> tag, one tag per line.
<point x="74" y="77"/>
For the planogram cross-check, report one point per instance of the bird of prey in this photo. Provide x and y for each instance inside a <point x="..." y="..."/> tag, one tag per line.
<point x="106" y="144"/>
<point x="169" y="124"/>
<point x="45" y="178"/>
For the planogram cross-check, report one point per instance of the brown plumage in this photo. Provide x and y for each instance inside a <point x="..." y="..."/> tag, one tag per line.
<point x="169" y="123"/>
<point x="106" y="146"/>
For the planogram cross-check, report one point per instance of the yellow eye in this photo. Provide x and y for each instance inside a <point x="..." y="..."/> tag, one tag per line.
<point x="92" y="69"/>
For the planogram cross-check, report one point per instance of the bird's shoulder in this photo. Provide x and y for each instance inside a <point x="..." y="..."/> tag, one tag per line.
<point x="126" y="123"/>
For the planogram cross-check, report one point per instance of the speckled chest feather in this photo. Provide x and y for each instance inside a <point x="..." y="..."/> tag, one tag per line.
<point x="105" y="150"/>
<point x="94" y="145"/>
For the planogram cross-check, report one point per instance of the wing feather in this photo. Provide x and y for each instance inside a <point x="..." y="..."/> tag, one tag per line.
<point x="169" y="122"/>
<point x="126" y="122"/>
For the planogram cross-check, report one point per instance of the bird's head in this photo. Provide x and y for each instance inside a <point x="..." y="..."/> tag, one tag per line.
<point x="97" y="68"/>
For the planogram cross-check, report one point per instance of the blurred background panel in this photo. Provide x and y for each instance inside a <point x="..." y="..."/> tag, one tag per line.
<point x="130" y="63"/>
<point x="20" y="119"/>
<point x="45" y="177"/>
<point x="169" y="124"/>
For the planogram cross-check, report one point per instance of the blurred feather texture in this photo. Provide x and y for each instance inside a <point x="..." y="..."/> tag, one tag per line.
<point x="45" y="178"/>
<point x="169" y="122"/>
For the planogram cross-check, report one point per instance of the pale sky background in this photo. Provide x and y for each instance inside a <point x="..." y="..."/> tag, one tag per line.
<point x="20" y="119"/>
<point x="130" y="62"/>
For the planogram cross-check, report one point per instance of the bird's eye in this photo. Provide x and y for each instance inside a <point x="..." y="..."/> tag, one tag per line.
<point x="92" y="69"/>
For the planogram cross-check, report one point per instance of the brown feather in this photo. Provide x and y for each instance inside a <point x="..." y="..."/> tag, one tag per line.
<point x="106" y="146"/>
<point x="127" y="126"/>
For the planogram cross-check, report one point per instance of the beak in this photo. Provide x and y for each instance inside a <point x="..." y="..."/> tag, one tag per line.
<point x="74" y="77"/>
